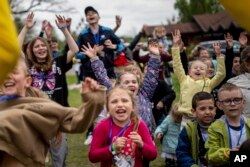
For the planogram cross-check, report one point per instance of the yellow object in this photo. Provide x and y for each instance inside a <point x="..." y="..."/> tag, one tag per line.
<point x="239" y="10"/>
<point x="9" y="49"/>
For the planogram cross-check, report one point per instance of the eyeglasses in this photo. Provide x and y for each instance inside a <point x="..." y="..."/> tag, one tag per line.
<point x="236" y="100"/>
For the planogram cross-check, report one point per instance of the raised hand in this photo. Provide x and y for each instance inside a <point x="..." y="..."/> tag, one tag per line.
<point x="99" y="48"/>
<point x="229" y="40"/>
<point x="176" y="35"/>
<point x="89" y="85"/>
<point x="118" y="20"/>
<point x="217" y="47"/>
<point x="48" y="30"/>
<point x="44" y="24"/>
<point x="61" y="22"/>
<point x="68" y="22"/>
<point x="243" y="39"/>
<point x="29" y="23"/>
<point x="89" y="51"/>
<point x="153" y="47"/>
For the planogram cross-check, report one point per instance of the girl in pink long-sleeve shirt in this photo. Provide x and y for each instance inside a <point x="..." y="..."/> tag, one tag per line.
<point x="123" y="138"/>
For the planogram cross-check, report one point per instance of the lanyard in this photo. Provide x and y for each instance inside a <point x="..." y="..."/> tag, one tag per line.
<point x="119" y="133"/>
<point x="228" y="128"/>
<point x="3" y="98"/>
<point x="96" y="38"/>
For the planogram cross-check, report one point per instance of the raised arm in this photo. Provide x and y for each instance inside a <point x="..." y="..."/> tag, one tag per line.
<point x="221" y="73"/>
<point x="73" y="48"/>
<point x="229" y="55"/>
<point x="177" y="65"/>
<point x="151" y="77"/>
<point x="97" y="66"/>
<point x="29" y="23"/>
<point x="118" y="22"/>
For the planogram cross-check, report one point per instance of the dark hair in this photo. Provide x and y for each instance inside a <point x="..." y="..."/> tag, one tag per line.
<point x="244" y="58"/>
<point x="245" y="146"/>
<point x="90" y="8"/>
<point x="199" y="96"/>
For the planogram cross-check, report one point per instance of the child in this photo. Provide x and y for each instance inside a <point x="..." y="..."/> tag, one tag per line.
<point x="190" y="150"/>
<point x="231" y="130"/>
<point x="169" y="129"/>
<point x="243" y="80"/>
<point x="143" y="92"/>
<point x="28" y="123"/>
<point x="49" y="75"/>
<point x="196" y="79"/>
<point x="122" y="139"/>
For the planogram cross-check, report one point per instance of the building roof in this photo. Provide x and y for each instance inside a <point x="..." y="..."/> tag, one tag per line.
<point x="213" y="22"/>
<point x="202" y="23"/>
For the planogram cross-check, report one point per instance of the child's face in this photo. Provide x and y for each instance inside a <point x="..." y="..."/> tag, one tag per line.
<point x="198" y="70"/>
<point x="210" y="70"/>
<point x="236" y="64"/>
<point x="17" y="81"/>
<point x="204" y="54"/>
<point x="205" y="112"/>
<point x="40" y="50"/>
<point x="129" y="81"/>
<point x="231" y="102"/>
<point x="120" y="106"/>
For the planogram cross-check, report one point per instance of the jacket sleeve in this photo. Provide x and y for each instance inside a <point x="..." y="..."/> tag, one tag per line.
<point x="9" y="48"/>
<point x="177" y="65"/>
<point x="216" y="154"/>
<point x="99" y="146"/>
<point x="101" y="73"/>
<point x="220" y="74"/>
<point x="163" y="127"/>
<point x="78" y="120"/>
<point x="151" y="78"/>
<point x="183" y="153"/>
<point x="229" y="62"/>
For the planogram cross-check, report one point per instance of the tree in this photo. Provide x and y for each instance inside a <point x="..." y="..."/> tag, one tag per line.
<point x="56" y="6"/>
<point x="188" y="8"/>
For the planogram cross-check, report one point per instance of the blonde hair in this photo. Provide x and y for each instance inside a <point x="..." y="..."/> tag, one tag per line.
<point x="134" y="69"/>
<point x="175" y="113"/>
<point x="134" y="116"/>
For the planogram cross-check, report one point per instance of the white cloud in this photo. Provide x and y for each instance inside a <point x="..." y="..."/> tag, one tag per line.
<point x="135" y="13"/>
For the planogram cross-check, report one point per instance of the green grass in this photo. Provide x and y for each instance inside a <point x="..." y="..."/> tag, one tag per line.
<point x="78" y="152"/>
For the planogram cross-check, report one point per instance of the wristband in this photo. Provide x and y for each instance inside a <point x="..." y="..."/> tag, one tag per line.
<point x="112" y="149"/>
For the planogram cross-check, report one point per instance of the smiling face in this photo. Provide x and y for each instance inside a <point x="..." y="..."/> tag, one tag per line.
<point x="129" y="81"/>
<point x="40" y="50"/>
<point x="205" y="111"/>
<point x="210" y="70"/>
<point x="92" y="17"/>
<point x="120" y="106"/>
<point x="198" y="70"/>
<point x="17" y="81"/>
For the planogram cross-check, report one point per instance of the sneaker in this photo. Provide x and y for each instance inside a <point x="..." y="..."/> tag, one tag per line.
<point x="88" y="140"/>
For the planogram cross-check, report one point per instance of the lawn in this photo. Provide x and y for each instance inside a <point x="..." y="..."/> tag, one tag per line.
<point x="78" y="152"/>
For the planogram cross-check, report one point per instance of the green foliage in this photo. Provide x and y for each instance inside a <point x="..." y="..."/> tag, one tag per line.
<point x="188" y="8"/>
